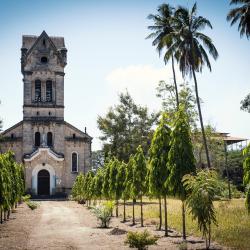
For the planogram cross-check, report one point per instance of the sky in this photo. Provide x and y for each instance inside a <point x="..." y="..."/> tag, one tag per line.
<point x="108" y="53"/>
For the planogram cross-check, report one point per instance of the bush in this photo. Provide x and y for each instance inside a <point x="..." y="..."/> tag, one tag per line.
<point x="140" y="240"/>
<point x="26" y="198"/>
<point x="103" y="213"/>
<point x="32" y="205"/>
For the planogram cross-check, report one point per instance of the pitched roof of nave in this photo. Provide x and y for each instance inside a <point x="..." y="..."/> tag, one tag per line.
<point x="29" y="41"/>
<point x="65" y="123"/>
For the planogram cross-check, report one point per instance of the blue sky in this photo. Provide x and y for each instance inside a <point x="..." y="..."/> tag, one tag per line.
<point x="107" y="53"/>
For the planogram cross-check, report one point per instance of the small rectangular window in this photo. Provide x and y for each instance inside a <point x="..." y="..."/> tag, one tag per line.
<point x="49" y="91"/>
<point x="37" y="90"/>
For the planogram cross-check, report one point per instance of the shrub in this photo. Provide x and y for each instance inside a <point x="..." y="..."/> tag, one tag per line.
<point x="26" y="197"/>
<point x="103" y="214"/>
<point x="32" y="205"/>
<point x="140" y="240"/>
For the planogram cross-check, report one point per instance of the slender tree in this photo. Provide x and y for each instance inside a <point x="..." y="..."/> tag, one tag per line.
<point x="115" y="193"/>
<point x="158" y="161"/>
<point x="128" y="185"/>
<point x="240" y="14"/>
<point x="139" y="176"/>
<point x="120" y="186"/>
<point x="162" y="27"/>
<point x="106" y="177"/>
<point x="189" y="47"/>
<point x="246" y="178"/>
<point x="202" y="190"/>
<point x="181" y="160"/>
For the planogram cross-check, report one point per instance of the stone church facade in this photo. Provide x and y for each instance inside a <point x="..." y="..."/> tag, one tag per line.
<point x="52" y="150"/>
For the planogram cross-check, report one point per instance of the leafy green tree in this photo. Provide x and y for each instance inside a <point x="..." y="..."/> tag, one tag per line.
<point x="240" y="14"/>
<point x="126" y="126"/>
<point x="106" y="177"/>
<point x="120" y="186"/>
<point x="158" y="164"/>
<point x="189" y="48"/>
<point x="98" y="183"/>
<point x="167" y="94"/>
<point x="246" y="178"/>
<point x="115" y="193"/>
<point x="202" y="190"/>
<point x="138" y="187"/>
<point x="181" y="160"/>
<point x="163" y="26"/>
<point x="128" y="185"/>
<point x="78" y="193"/>
<point x="88" y="187"/>
<point x="11" y="184"/>
<point x="98" y="158"/>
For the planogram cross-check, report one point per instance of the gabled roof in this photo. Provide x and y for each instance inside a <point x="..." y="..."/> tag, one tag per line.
<point x="11" y="128"/>
<point x="30" y="42"/>
<point x="78" y="130"/>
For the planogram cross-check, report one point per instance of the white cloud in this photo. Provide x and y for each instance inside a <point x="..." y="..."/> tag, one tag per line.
<point x="141" y="81"/>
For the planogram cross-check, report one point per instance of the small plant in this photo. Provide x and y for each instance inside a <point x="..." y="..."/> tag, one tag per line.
<point x="26" y="197"/>
<point x="32" y="205"/>
<point x="140" y="240"/>
<point x="103" y="214"/>
<point x="109" y="205"/>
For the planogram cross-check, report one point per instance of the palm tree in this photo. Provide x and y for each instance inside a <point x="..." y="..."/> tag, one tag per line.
<point x="241" y="14"/>
<point x="162" y="27"/>
<point x="189" y="46"/>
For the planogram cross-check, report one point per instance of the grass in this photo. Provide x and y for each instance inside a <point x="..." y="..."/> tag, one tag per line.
<point x="233" y="228"/>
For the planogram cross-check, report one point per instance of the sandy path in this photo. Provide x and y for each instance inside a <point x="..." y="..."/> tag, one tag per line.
<point x="67" y="225"/>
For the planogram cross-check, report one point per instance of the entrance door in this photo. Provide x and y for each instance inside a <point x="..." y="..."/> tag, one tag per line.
<point x="43" y="182"/>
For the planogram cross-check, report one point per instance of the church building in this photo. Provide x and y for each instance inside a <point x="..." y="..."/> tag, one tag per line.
<point x="52" y="150"/>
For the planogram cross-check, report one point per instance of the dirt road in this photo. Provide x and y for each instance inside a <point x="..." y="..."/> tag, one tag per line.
<point x="67" y="225"/>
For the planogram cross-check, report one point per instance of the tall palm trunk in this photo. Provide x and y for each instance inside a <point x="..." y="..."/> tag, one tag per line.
<point x="183" y="221"/>
<point x="201" y="119"/>
<point x="166" y="215"/>
<point x="175" y="84"/>
<point x="141" y="212"/>
<point x="160" y="215"/>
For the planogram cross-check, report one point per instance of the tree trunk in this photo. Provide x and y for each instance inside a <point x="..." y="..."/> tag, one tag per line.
<point x="117" y="207"/>
<point x="124" y="210"/>
<point x="228" y="180"/>
<point x="201" y="119"/>
<point x="133" y="212"/>
<point x="183" y="221"/>
<point x="141" y="213"/>
<point x="160" y="215"/>
<point x="166" y="215"/>
<point x="1" y="212"/>
<point x="175" y="84"/>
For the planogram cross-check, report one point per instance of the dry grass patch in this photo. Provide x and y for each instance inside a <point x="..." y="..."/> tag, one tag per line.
<point x="233" y="221"/>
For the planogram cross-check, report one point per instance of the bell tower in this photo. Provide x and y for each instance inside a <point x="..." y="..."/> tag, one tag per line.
<point x="43" y="59"/>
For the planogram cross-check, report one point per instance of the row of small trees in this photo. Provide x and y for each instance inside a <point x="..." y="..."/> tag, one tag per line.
<point x="158" y="174"/>
<point x="11" y="184"/>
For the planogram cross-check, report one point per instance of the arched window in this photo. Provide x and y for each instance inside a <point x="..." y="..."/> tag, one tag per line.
<point x="49" y="139"/>
<point x="74" y="162"/>
<point x="38" y="91"/>
<point x="49" y="91"/>
<point x="37" y="139"/>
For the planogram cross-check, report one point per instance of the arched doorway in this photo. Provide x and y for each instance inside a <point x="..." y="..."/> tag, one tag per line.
<point x="43" y="182"/>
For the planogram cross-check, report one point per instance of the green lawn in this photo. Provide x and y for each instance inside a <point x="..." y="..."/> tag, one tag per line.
<point x="233" y="221"/>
